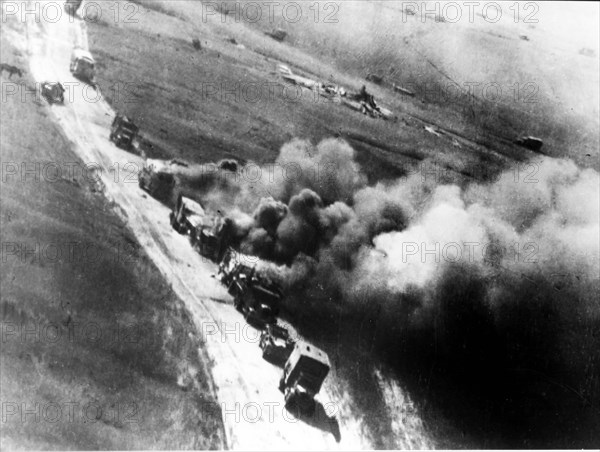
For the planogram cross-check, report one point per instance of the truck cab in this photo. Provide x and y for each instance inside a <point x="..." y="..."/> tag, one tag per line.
<point x="83" y="65"/>
<point x="187" y="216"/>
<point x="303" y="375"/>
<point x="123" y="132"/>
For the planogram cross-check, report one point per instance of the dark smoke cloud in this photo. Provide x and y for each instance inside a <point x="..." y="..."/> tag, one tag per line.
<point x="476" y="280"/>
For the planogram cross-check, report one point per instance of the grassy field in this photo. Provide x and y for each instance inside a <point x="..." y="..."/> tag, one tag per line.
<point x="200" y="105"/>
<point x="97" y="351"/>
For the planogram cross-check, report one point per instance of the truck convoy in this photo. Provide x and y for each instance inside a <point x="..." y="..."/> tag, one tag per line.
<point x="303" y="375"/>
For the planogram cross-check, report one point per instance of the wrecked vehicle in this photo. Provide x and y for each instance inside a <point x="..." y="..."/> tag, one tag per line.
<point x="365" y="103"/>
<point x="157" y="178"/>
<point x="303" y="375"/>
<point x="213" y="240"/>
<point x="255" y="296"/>
<point x="276" y="344"/>
<point x="71" y="6"/>
<point x="83" y="65"/>
<point x="187" y="216"/>
<point x="123" y="132"/>
<point x="531" y="143"/>
<point x="53" y="92"/>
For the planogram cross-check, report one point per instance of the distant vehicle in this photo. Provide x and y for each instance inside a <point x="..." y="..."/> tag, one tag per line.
<point x="53" y="92"/>
<point x="83" y="65"/>
<point x="303" y="375"/>
<point x="187" y="215"/>
<point x="71" y="6"/>
<point x="276" y="344"/>
<point x="377" y="79"/>
<point x="255" y="296"/>
<point x="278" y="34"/>
<point x="529" y="142"/>
<point x="123" y="132"/>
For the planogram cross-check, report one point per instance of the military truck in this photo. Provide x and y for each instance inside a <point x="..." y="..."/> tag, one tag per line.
<point x="276" y="344"/>
<point x="303" y="375"/>
<point x="157" y="178"/>
<point x="213" y="240"/>
<point x="83" y="65"/>
<point x="187" y="216"/>
<point x="255" y="296"/>
<point x="123" y="132"/>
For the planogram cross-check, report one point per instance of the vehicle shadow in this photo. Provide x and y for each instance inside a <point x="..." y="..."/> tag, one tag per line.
<point x="319" y="418"/>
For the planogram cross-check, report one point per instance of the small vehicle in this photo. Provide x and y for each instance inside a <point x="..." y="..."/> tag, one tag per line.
<point x="71" y="6"/>
<point x="83" y="65"/>
<point x="123" y="132"/>
<point x="529" y="142"/>
<point x="276" y="344"/>
<point x="278" y="34"/>
<point x="187" y="216"/>
<point x="303" y="375"/>
<point x="53" y="92"/>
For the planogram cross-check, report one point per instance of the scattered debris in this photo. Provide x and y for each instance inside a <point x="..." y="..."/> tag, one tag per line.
<point x="235" y="43"/>
<point x="377" y="79"/>
<point x="529" y="142"/>
<point x="277" y="34"/>
<point x="587" y="52"/>
<point x="196" y="43"/>
<point x="402" y="90"/>
<point x="524" y="37"/>
<point x="433" y="131"/>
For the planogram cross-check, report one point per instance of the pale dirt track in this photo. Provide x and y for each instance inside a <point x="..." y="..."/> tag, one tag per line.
<point x="245" y="384"/>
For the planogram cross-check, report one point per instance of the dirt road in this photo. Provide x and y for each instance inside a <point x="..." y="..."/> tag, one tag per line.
<point x="246" y="385"/>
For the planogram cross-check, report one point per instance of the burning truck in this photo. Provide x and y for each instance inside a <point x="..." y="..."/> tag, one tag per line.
<point x="303" y="375"/>
<point x="255" y="296"/>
